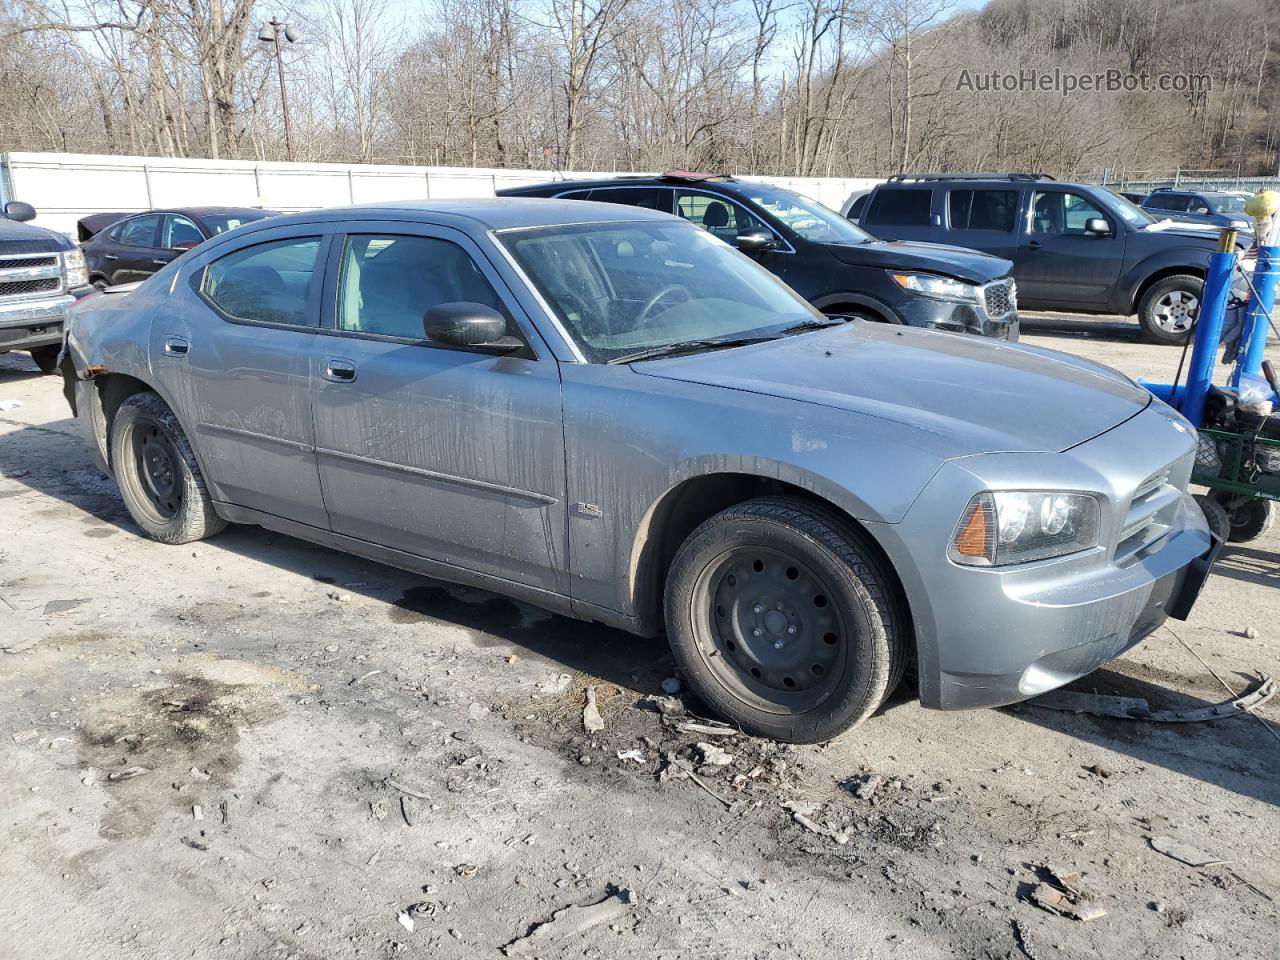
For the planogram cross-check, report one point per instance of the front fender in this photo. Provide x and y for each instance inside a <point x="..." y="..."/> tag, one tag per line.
<point x="861" y="300"/>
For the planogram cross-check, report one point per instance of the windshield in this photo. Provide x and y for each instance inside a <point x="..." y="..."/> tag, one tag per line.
<point x="1129" y="212"/>
<point x="1228" y="202"/>
<point x="810" y="219"/>
<point x="622" y="288"/>
<point x="222" y="222"/>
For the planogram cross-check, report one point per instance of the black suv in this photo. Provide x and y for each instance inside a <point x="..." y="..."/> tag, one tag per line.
<point x="839" y="268"/>
<point x="1214" y="207"/>
<point x="1074" y="246"/>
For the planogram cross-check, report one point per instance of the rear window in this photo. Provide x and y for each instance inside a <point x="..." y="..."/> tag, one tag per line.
<point x="905" y="208"/>
<point x="983" y="209"/>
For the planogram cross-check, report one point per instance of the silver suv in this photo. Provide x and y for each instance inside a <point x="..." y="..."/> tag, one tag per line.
<point x="611" y="414"/>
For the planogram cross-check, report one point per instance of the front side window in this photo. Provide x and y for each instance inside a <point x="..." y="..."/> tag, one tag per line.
<point x="1229" y="203"/>
<point x="900" y="208"/>
<point x="620" y="288"/>
<point x="180" y="232"/>
<point x="983" y="209"/>
<point x="138" y="232"/>
<point x="1059" y="212"/>
<point x="1169" y="201"/>
<point x="808" y="218"/>
<point x="388" y="282"/>
<point x="719" y="217"/>
<point x="265" y="283"/>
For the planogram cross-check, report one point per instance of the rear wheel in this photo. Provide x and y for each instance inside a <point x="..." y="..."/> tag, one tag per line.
<point x="46" y="358"/>
<point x="156" y="470"/>
<point x="1168" y="310"/>
<point x="784" y="621"/>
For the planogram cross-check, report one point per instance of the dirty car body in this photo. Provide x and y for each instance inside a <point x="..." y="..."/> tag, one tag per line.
<point x="576" y="460"/>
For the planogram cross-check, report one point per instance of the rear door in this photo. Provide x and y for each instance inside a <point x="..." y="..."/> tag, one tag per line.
<point x="452" y="454"/>
<point x="901" y="213"/>
<point x="136" y="253"/>
<point x="983" y="218"/>
<point x="1059" y="263"/>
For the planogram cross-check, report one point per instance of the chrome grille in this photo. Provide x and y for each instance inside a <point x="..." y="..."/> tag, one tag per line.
<point x="26" y="288"/>
<point x="1000" y="297"/>
<point x="14" y="263"/>
<point x="1150" y="514"/>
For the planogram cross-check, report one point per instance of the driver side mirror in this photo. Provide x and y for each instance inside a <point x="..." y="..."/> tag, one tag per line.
<point x="756" y="241"/>
<point x="469" y="325"/>
<point x="17" y="210"/>
<point x="1098" y="227"/>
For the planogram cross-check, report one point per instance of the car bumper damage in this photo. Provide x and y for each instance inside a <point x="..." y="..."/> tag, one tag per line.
<point x="27" y="324"/>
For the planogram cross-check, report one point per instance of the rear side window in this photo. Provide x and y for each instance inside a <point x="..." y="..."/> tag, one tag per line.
<point x="265" y="283"/>
<point x="650" y="198"/>
<point x="983" y="209"/>
<point x="902" y="208"/>
<point x="1168" y="201"/>
<point x="388" y="282"/>
<point x="138" y="232"/>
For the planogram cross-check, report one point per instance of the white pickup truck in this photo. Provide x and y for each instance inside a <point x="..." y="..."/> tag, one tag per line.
<point x="42" y="274"/>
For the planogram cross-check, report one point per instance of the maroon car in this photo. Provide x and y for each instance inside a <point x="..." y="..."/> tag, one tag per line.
<point x="122" y="247"/>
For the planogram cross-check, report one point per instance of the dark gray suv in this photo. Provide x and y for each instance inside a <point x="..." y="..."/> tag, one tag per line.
<point x="1074" y="246"/>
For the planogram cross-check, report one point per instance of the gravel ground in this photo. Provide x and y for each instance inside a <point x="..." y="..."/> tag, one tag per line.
<point x="253" y="747"/>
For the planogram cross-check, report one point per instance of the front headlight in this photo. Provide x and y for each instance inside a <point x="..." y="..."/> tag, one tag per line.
<point x="1016" y="526"/>
<point x="74" y="270"/>
<point x="933" y="285"/>
<point x="1241" y="225"/>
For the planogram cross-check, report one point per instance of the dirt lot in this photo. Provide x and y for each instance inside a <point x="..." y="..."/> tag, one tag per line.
<point x="258" y="748"/>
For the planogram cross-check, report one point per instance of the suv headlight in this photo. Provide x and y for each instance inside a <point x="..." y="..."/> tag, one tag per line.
<point x="1017" y="526"/>
<point x="938" y="287"/>
<point x="1242" y="225"/>
<point x="74" y="270"/>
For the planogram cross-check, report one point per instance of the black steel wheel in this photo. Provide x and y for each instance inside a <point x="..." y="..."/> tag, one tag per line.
<point x="157" y="472"/>
<point x="783" y="620"/>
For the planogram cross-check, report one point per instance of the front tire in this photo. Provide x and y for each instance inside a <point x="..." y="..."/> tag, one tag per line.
<point x="1249" y="519"/>
<point x="1168" y="310"/>
<point x="46" y="358"/>
<point x="156" y="470"/>
<point x="784" y="621"/>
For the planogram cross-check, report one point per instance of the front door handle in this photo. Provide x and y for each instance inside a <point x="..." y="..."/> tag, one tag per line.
<point x="160" y="263"/>
<point x="339" y="370"/>
<point x="1033" y="244"/>
<point x="109" y="256"/>
<point x="176" y="346"/>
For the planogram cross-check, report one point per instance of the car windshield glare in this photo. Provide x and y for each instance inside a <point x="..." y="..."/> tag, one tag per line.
<point x="623" y="288"/>
<point x="1126" y="210"/>
<point x="808" y="218"/>
<point x="221" y="223"/>
<point x="1229" y="203"/>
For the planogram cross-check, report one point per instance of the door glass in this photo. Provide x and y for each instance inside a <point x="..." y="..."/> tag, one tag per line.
<point x="900" y="208"/>
<point x="983" y="209"/>
<point x="1058" y="212"/>
<point x="388" y="282"/>
<point x="139" y="232"/>
<point x="266" y="283"/>
<point x="1170" y="201"/>
<point x="719" y="217"/>
<point x="180" y="230"/>
<point x="648" y="197"/>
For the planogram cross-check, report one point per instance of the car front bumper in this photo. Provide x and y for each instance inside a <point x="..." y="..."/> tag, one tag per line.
<point x="996" y="635"/>
<point x="957" y="318"/>
<point x="33" y="323"/>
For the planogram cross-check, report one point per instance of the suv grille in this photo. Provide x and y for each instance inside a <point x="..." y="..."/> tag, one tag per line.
<point x="1001" y="298"/>
<point x="7" y="263"/>
<point x="22" y="288"/>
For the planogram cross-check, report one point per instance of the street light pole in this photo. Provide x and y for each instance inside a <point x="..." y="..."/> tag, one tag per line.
<point x="271" y="34"/>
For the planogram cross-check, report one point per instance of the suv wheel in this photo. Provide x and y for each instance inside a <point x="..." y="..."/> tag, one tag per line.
<point x="1168" y="309"/>
<point x="157" y="473"/>
<point x="783" y="621"/>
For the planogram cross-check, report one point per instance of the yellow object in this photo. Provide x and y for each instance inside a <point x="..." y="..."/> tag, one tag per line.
<point x="1262" y="204"/>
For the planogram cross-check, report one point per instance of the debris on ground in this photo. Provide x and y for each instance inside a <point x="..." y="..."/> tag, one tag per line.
<point x="407" y="791"/>
<point x="711" y="755"/>
<point x="592" y="722"/>
<point x="667" y="706"/>
<point x="708" y="729"/>
<point x="671" y="685"/>
<point x="570" y="922"/>
<point x="405" y="920"/>
<point x="864" y="787"/>
<point x="127" y="774"/>
<point x="1250" y="633"/>
<point x="635" y="756"/>
<point x="1136" y="708"/>
<point x="1064" y="894"/>
<point x="1184" y="852"/>
<point x="803" y="814"/>
<point x="7" y="405"/>
<point x="25" y="736"/>
<point x="62" y="606"/>
<point x="198" y="774"/>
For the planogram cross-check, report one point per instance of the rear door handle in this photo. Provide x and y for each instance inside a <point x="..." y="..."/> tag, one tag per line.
<point x="160" y="263"/>
<point x="339" y="370"/>
<point x="109" y="256"/>
<point x="176" y="346"/>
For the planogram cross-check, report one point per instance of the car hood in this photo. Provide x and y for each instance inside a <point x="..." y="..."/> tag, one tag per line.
<point x="970" y="394"/>
<point x="941" y="258"/>
<point x="30" y="235"/>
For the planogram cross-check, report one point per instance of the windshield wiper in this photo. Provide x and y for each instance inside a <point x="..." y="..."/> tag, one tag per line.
<point x="688" y="346"/>
<point x="834" y="320"/>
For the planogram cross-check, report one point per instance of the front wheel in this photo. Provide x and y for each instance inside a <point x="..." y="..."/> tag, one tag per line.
<point x="1168" y="311"/>
<point x="784" y="621"/>
<point x="156" y="470"/>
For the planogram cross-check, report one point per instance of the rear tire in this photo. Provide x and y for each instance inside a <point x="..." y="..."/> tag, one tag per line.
<point x="784" y="621"/>
<point x="46" y="358"/>
<point x="1249" y="520"/>
<point x="1168" y="310"/>
<point x="157" y="472"/>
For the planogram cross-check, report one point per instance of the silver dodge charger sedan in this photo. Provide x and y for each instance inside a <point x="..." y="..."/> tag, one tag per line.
<point x="611" y="414"/>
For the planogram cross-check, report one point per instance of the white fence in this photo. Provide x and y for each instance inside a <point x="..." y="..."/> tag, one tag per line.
<point x="63" y="187"/>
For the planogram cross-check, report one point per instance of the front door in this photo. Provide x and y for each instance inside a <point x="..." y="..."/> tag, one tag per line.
<point x="240" y="361"/>
<point x="452" y="454"/>
<point x="1060" y="262"/>
<point x="724" y="218"/>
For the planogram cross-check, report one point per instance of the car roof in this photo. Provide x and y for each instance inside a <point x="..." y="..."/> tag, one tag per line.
<point x="490" y="213"/>
<point x="729" y="184"/>
<point x="969" y="180"/>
